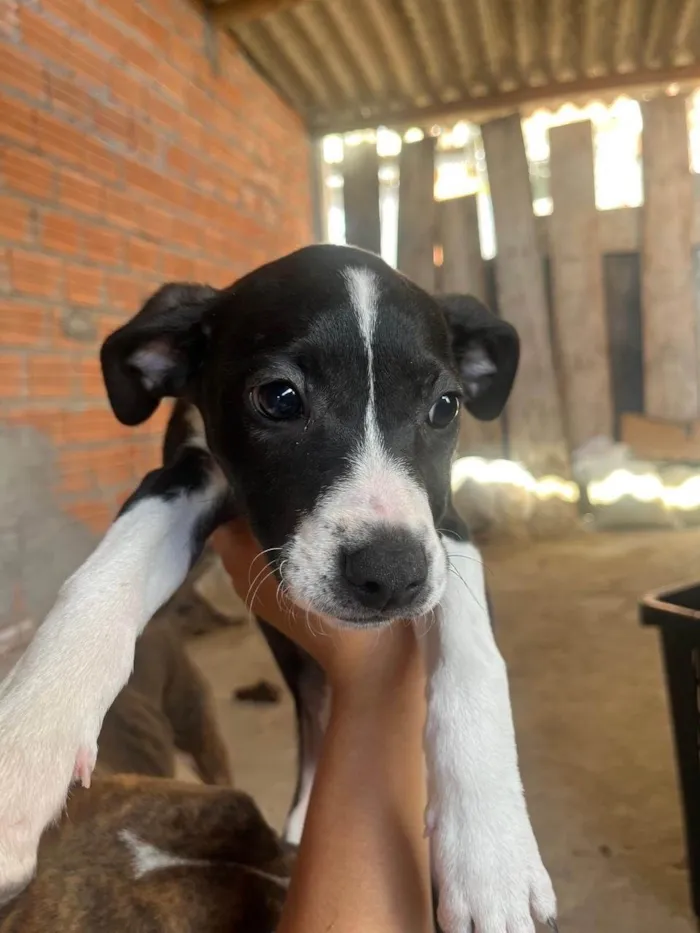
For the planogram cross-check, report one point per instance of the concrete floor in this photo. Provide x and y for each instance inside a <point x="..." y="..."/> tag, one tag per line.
<point x="590" y="712"/>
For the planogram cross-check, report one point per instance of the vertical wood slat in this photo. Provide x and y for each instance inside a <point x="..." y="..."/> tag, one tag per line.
<point x="668" y="314"/>
<point x="577" y="280"/>
<point x="416" y="235"/>
<point x="463" y="272"/>
<point x="535" y="426"/>
<point x="361" y="197"/>
<point x="458" y="233"/>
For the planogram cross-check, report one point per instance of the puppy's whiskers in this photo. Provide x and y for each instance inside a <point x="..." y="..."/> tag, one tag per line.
<point x="257" y="557"/>
<point x="453" y="570"/>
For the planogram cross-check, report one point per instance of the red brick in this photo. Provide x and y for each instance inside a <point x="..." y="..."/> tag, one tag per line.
<point x="145" y="141"/>
<point x="91" y="424"/>
<point x="142" y="255"/>
<point x="182" y="55"/>
<point x="66" y="96"/>
<point x="153" y="31"/>
<point x="70" y="144"/>
<point x="95" y="513"/>
<point x="179" y="160"/>
<point x="177" y="267"/>
<point x="35" y="274"/>
<point x="21" y="325"/>
<point x="14" y="219"/>
<point x="17" y="70"/>
<point x="113" y="123"/>
<point x="59" y="139"/>
<point x="160" y="110"/>
<point x="74" y="472"/>
<point x="80" y="193"/>
<point x="125" y="294"/>
<point x="156" y="223"/>
<point x="91" y="381"/>
<point x="104" y="246"/>
<point x="123" y="210"/>
<point x="88" y="66"/>
<point x="60" y="234"/>
<point x="42" y="36"/>
<point x="124" y="87"/>
<point x="47" y="419"/>
<point x="70" y="11"/>
<point x="84" y="286"/>
<point x="101" y="30"/>
<point x="49" y="376"/>
<point x="29" y="174"/>
<point x="12" y="375"/>
<point x="17" y="120"/>
<point x="123" y="9"/>
<point x="140" y="58"/>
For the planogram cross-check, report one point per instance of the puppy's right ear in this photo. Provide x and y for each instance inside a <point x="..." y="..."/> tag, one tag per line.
<point x="157" y="352"/>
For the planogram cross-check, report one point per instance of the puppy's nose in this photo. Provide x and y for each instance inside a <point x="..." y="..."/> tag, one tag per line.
<point x="389" y="572"/>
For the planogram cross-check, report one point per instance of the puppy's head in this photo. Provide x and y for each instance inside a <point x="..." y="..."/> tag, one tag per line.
<point x="330" y="388"/>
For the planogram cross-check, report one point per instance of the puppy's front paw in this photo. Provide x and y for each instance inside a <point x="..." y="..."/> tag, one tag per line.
<point x="488" y="867"/>
<point x="40" y="754"/>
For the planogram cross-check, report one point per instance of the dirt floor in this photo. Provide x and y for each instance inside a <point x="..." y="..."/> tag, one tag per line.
<point x="591" y="717"/>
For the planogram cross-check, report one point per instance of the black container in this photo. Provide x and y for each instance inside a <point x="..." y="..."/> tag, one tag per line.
<point x="676" y="613"/>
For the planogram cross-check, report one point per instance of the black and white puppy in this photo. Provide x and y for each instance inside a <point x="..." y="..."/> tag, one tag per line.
<point x="319" y="397"/>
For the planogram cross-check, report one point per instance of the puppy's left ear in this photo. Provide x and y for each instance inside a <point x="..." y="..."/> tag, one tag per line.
<point x="486" y="350"/>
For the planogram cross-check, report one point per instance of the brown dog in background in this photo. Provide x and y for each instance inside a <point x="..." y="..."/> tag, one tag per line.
<point x="142" y="852"/>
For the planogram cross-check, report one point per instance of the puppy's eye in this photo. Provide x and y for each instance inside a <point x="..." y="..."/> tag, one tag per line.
<point x="278" y="401"/>
<point x="444" y="411"/>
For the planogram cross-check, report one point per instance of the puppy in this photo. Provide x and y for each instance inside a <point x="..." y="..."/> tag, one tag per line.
<point x="319" y="398"/>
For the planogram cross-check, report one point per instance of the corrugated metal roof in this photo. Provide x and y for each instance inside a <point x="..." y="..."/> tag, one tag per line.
<point x="346" y="64"/>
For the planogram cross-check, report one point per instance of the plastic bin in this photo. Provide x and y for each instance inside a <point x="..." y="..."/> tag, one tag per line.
<point x="676" y="613"/>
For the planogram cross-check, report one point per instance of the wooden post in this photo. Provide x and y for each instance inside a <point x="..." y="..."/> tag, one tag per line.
<point x="361" y="196"/>
<point x="458" y="234"/>
<point x="463" y="272"/>
<point x="668" y="313"/>
<point x="578" y="291"/>
<point x="416" y="235"/>
<point x="535" y="429"/>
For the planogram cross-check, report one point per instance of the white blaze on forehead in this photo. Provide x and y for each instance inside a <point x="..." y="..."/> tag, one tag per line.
<point x="364" y="297"/>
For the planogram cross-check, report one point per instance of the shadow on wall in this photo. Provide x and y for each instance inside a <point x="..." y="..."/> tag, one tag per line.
<point x="40" y="546"/>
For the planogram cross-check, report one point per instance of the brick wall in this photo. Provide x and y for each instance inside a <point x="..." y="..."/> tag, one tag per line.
<point x="127" y="158"/>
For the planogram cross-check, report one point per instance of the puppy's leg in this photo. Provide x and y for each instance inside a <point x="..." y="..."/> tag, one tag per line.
<point x="485" y="856"/>
<point x="307" y="684"/>
<point x="188" y="703"/>
<point x="53" y="702"/>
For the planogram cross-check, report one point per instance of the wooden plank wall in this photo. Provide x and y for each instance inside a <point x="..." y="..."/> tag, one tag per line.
<point x="416" y="238"/>
<point x="607" y="302"/>
<point x="670" y="346"/>
<point x="535" y="424"/>
<point x="578" y="303"/>
<point x="361" y="197"/>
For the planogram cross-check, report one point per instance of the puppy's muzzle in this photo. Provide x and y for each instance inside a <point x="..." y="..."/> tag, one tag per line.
<point x="389" y="572"/>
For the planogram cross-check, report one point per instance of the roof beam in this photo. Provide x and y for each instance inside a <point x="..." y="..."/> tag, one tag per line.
<point x="233" y="13"/>
<point x="480" y="109"/>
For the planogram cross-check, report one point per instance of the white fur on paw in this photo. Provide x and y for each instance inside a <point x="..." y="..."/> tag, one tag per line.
<point x="489" y="870"/>
<point x="39" y="749"/>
